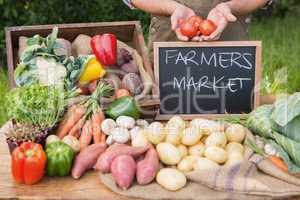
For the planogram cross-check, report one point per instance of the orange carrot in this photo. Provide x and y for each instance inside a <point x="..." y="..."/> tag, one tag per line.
<point x="75" y="131"/>
<point x="279" y="163"/>
<point x="86" y="134"/>
<point x="65" y="118"/>
<point x="97" y="119"/>
<point x="74" y="116"/>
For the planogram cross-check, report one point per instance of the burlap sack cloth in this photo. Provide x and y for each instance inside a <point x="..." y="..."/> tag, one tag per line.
<point x="255" y="178"/>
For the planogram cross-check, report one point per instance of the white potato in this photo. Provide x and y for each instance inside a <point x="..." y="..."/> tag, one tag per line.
<point x="173" y="135"/>
<point x="125" y="122"/>
<point x="176" y="121"/>
<point x="236" y="133"/>
<point x="155" y="132"/>
<point x="168" y="153"/>
<point x="139" y="140"/>
<point x="216" y="154"/>
<point x="216" y="139"/>
<point x="120" y="135"/>
<point x="234" y="158"/>
<point x="187" y="163"/>
<point x="191" y="136"/>
<point x="197" y="149"/>
<point x="182" y="150"/>
<point x="204" y="164"/>
<point x="234" y="147"/>
<point x="171" y="179"/>
<point x="208" y="126"/>
<point x="107" y="126"/>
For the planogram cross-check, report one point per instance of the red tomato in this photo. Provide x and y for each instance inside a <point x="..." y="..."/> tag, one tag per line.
<point x="122" y="93"/>
<point x="188" y="29"/>
<point x="195" y="20"/>
<point x="207" y="27"/>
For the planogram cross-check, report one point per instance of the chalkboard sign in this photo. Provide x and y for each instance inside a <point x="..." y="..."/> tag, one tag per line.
<point x="207" y="79"/>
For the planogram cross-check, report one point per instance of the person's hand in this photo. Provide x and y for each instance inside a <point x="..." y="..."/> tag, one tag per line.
<point x="221" y="15"/>
<point x="181" y="13"/>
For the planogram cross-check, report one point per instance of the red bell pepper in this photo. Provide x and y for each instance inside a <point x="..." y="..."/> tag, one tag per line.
<point x="105" y="48"/>
<point x="28" y="163"/>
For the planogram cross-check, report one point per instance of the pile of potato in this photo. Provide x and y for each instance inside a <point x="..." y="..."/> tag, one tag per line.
<point x="180" y="146"/>
<point x="197" y="145"/>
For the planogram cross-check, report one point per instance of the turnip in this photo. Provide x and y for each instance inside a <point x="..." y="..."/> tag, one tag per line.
<point x="130" y="67"/>
<point x="133" y="83"/>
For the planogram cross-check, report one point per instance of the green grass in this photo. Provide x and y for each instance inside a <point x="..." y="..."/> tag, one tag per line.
<point x="281" y="50"/>
<point x="3" y="91"/>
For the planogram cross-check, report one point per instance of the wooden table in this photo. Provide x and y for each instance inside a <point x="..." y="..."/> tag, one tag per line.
<point x="88" y="187"/>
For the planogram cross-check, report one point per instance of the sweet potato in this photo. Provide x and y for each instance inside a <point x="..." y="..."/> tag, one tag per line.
<point x="86" y="159"/>
<point x="104" y="161"/>
<point x="123" y="170"/>
<point x="147" y="168"/>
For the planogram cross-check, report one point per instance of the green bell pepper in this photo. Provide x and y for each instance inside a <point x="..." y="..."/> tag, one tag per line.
<point x="59" y="159"/>
<point x="123" y="106"/>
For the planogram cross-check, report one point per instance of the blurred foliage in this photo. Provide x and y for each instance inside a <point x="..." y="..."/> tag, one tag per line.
<point x="282" y="7"/>
<point x="30" y="12"/>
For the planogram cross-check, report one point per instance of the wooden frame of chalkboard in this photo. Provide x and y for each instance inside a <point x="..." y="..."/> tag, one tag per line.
<point x="255" y="98"/>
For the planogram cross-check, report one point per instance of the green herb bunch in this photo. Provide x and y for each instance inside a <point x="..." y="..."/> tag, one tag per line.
<point x="40" y="106"/>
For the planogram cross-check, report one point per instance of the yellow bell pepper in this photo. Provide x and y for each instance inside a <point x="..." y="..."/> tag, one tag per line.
<point x="93" y="71"/>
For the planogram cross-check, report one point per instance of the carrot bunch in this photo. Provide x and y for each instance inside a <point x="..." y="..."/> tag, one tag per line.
<point x="83" y="120"/>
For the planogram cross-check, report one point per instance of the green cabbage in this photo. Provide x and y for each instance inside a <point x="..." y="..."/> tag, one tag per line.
<point x="280" y="122"/>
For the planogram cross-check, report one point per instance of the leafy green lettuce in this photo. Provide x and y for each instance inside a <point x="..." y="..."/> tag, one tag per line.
<point x="267" y="122"/>
<point x="286" y="115"/>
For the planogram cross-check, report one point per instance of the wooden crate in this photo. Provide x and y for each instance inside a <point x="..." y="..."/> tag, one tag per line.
<point x="129" y="32"/>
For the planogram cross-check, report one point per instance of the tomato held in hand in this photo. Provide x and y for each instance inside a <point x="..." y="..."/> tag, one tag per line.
<point x="207" y="27"/>
<point x="188" y="29"/>
<point x="196" y="20"/>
